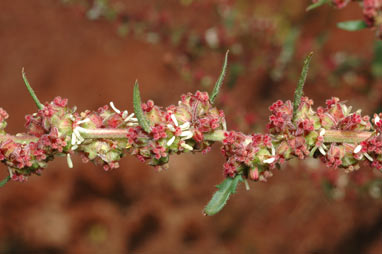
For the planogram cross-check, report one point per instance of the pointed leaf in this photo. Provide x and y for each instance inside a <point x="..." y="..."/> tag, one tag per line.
<point x="219" y="199"/>
<point x="4" y="181"/>
<point x="317" y="4"/>
<point x="219" y="82"/>
<point x="31" y="92"/>
<point x="300" y="87"/>
<point x="352" y="25"/>
<point x="142" y="120"/>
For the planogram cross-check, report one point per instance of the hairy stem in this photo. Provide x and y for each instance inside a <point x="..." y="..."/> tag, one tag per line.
<point x="331" y="136"/>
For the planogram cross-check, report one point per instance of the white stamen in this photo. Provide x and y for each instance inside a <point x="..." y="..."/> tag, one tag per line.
<point x="10" y="172"/>
<point x="322" y="132"/>
<point x="174" y="119"/>
<point x="186" y="133"/>
<point x="322" y="150"/>
<point x="124" y="114"/>
<point x="69" y="160"/>
<point x="114" y="108"/>
<point x="169" y="143"/>
<point x="188" y="136"/>
<point x="134" y="119"/>
<point x="357" y="149"/>
<point x="130" y="117"/>
<point x="83" y="121"/>
<point x="368" y="156"/>
<point x="270" y="160"/>
<point x="185" y="126"/>
<point x="186" y="146"/>
<point x="377" y="119"/>
<point x="273" y="150"/>
<point x="132" y="124"/>
<point x="74" y="140"/>
<point x="79" y="138"/>
<point x="170" y="127"/>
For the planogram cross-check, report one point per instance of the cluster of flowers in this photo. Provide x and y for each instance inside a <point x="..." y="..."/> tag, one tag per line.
<point x="305" y="133"/>
<point x="103" y="136"/>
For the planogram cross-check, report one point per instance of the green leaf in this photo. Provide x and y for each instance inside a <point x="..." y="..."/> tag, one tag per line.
<point x="352" y="25"/>
<point x="219" y="199"/>
<point x="31" y="92"/>
<point x="4" y="181"/>
<point x="142" y="120"/>
<point x="300" y="87"/>
<point x="317" y="4"/>
<point x="219" y="82"/>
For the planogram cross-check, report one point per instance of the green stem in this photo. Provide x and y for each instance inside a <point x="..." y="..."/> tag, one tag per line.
<point x="103" y="133"/>
<point x="334" y="136"/>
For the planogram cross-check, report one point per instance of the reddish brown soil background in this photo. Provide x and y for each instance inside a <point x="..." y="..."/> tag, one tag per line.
<point x="134" y="209"/>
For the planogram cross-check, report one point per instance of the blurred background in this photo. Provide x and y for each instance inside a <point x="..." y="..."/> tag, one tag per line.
<point x="91" y="51"/>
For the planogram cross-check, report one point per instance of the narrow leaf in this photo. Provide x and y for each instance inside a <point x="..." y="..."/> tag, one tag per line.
<point x="4" y="181"/>
<point x="219" y="82"/>
<point x="142" y="120"/>
<point x="300" y="87"/>
<point x="352" y="25"/>
<point x="317" y="4"/>
<point x="219" y="199"/>
<point x="31" y="92"/>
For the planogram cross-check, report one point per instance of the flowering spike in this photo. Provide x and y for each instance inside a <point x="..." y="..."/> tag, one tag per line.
<point x="300" y="87"/>
<point x="142" y="120"/>
<point x="30" y="90"/>
<point x="219" y="82"/>
<point x="4" y="181"/>
<point x="219" y="199"/>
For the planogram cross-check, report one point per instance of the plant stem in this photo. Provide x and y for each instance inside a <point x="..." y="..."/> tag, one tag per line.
<point x="335" y="136"/>
<point x="331" y="136"/>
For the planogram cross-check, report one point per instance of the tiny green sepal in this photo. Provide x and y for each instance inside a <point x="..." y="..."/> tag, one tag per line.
<point x="219" y="199"/>
<point x="4" y="181"/>
<point x="317" y="4"/>
<point x="352" y="25"/>
<point x="30" y="90"/>
<point x="300" y="87"/>
<point x="142" y="120"/>
<point x="219" y="82"/>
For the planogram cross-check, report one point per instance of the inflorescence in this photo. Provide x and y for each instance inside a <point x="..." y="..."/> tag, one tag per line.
<point x="334" y="134"/>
